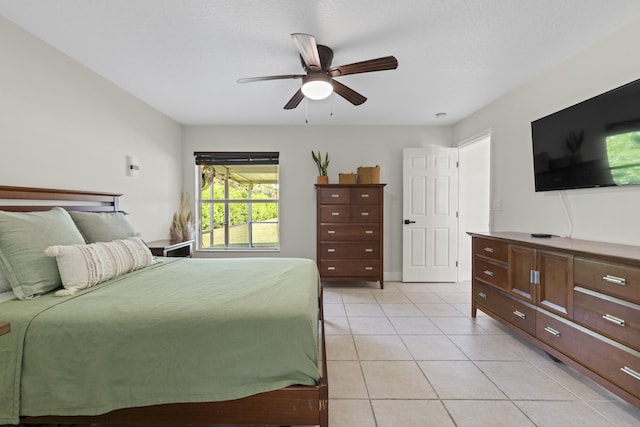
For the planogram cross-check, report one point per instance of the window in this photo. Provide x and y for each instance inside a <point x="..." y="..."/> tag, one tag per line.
<point x="238" y="206"/>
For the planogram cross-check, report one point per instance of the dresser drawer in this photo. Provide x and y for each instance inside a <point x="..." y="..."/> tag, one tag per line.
<point x="364" y="213"/>
<point x="491" y="273"/>
<point x="343" y="250"/>
<point x="365" y="196"/>
<point x="514" y="311"/>
<point x="618" y="280"/>
<point x="349" y="232"/>
<point x="332" y="196"/>
<point x="612" y="317"/>
<point x="613" y="361"/>
<point x="335" y="213"/>
<point x="498" y="251"/>
<point x="351" y="268"/>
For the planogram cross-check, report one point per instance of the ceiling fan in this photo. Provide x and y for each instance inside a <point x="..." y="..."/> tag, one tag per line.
<point x="319" y="82"/>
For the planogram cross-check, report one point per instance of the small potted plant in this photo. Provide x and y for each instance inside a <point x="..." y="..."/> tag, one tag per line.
<point x="322" y="166"/>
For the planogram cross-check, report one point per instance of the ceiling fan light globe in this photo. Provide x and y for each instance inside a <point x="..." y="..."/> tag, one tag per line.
<point x="317" y="86"/>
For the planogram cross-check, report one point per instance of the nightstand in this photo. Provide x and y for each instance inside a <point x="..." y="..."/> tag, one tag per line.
<point x="168" y="248"/>
<point x="5" y="328"/>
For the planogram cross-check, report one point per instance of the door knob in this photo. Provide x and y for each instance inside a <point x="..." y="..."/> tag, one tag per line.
<point x="407" y="222"/>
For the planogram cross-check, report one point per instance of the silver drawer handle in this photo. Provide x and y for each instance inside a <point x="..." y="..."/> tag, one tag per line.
<point x="368" y="268"/>
<point x="368" y="232"/>
<point x="488" y="249"/>
<point x="552" y="331"/>
<point x="368" y="250"/>
<point x="482" y="295"/>
<point x="331" y="232"/>
<point x="331" y="250"/>
<point x="488" y="273"/>
<point x="627" y="370"/>
<point x="335" y="213"/>
<point x="364" y="213"/>
<point x="520" y="314"/>
<point x="366" y="196"/>
<point x="331" y="268"/>
<point x="615" y="280"/>
<point x="335" y="196"/>
<point x="614" y="319"/>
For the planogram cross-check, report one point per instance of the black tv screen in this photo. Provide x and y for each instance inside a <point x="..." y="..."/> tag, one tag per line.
<point x="595" y="143"/>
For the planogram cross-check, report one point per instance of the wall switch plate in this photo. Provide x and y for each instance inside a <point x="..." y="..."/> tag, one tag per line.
<point x="497" y="205"/>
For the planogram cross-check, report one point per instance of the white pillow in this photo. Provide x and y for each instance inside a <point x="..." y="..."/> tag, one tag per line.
<point x="83" y="266"/>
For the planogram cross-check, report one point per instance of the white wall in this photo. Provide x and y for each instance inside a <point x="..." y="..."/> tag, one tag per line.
<point x="604" y="214"/>
<point x="63" y="126"/>
<point x="348" y="147"/>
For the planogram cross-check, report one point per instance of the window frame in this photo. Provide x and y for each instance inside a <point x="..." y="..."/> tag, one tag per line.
<point x="228" y="160"/>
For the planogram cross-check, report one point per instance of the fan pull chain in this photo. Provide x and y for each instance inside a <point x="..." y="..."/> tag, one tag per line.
<point x="306" y="110"/>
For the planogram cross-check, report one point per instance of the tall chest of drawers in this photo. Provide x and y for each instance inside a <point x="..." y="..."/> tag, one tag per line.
<point x="577" y="300"/>
<point x="350" y="232"/>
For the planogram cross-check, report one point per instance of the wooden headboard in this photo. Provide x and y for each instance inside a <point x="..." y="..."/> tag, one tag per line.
<point x="24" y="199"/>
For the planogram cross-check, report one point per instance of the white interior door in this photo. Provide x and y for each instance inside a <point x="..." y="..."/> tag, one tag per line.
<point x="430" y="201"/>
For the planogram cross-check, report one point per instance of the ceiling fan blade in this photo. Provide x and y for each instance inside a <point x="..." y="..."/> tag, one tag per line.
<point x="294" y="101"/>
<point x="347" y="93"/>
<point x="308" y="49"/>
<point x="378" y="64"/>
<point x="259" y="79"/>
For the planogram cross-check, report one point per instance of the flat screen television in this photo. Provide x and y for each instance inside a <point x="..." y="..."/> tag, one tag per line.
<point x="595" y="143"/>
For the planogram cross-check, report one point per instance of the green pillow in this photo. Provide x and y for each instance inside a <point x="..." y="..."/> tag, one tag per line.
<point x="23" y="238"/>
<point x="103" y="226"/>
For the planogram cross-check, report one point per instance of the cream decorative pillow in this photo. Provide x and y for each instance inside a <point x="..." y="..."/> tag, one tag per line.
<point x="83" y="266"/>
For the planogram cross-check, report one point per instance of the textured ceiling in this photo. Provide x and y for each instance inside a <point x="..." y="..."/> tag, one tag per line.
<point x="183" y="57"/>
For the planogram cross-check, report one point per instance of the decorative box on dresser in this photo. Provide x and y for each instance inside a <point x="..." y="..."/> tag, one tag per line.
<point x="578" y="300"/>
<point x="350" y="232"/>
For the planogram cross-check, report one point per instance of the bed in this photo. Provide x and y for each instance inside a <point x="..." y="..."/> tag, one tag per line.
<point x="194" y="341"/>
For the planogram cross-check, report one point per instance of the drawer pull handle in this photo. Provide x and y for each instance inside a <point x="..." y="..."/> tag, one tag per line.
<point x="614" y="319"/>
<point x="365" y="196"/>
<point x="488" y="249"/>
<point x="364" y="213"/>
<point x="488" y="273"/>
<point x="368" y="268"/>
<point x="335" y="213"/>
<point x="627" y="370"/>
<point x="520" y="314"/>
<point x="552" y="331"/>
<point x="368" y="231"/>
<point x="331" y="250"/>
<point x="331" y="268"/>
<point x="368" y="250"/>
<point x="335" y="196"/>
<point x="615" y="280"/>
<point x="331" y="232"/>
<point x="482" y="295"/>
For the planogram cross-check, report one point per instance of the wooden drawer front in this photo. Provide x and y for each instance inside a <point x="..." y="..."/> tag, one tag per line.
<point x="340" y="250"/>
<point x="334" y="196"/>
<point x="365" y="196"/>
<point x="354" y="268"/>
<point x="349" y="232"/>
<point x="365" y="213"/>
<point x="491" y="273"/>
<point x="491" y="249"/>
<point x="514" y="311"/>
<point x="334" y="213"/>
<point x="612" y="279"/>
<point x="614" y="318"/>
<point x="613" y="361"/>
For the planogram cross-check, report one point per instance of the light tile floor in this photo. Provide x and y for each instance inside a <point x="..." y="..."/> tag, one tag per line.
<point x="411" y="355"/>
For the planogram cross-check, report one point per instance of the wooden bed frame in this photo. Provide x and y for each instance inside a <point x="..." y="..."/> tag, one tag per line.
<point x="293" y="405"/>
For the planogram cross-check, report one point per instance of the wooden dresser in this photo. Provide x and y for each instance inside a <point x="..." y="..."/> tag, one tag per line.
<point x="577" y="300"/>
<point x="350" y="232"/>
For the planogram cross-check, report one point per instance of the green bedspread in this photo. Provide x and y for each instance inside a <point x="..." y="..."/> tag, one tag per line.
<point x="183" y="330"/>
